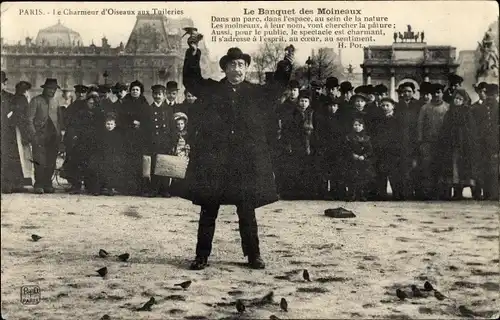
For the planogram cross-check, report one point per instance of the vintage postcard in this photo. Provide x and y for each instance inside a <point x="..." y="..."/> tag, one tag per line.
<point x="250" y="160"/>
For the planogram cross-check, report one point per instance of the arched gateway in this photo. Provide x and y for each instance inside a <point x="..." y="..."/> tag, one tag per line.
<point x="410" y="59"/>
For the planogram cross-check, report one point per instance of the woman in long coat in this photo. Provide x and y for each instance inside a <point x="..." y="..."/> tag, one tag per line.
<point x="12" y="117"/>
<point x="230" y="161"/>
<point x="458" y="149"/>
<point x="131" y="116"/>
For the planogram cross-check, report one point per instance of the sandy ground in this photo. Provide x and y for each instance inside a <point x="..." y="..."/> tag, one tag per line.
<point x="355" y="264"/>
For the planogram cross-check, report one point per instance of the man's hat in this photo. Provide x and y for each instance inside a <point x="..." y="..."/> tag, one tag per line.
<point x="50" y="83"/>
<point x="331" y="82"/>
<point x="23" y="86"/>
<point x="388" y="99"/>
<point x="293" y="84"/>
<point x="3" y="77"/>
<point x="361" y="95"/>
<point x="234" y="54"/>
<point x="406" y="84"/>
<point x="172" y="86"/>
<point x="305" y="94"/>
<point x="480" y="86"/>
<point x="491" y="89"/>
<point x="346" y="86"/>
<point x="81" y="88"/>
<point x="365" y="89"/>
<point x="158" y="87"/>
<point x="381" y="89"/>
<point x="425" y="87"/>
<point x="369" y="89"/>
<point x="455" y="79"/>
<point x="102" y="88"/>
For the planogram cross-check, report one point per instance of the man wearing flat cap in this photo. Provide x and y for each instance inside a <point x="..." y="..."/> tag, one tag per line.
<point x="230" y="163"/>
<point x="485" y="113"/>
<point x="44" y="130"/>
<point x="454" y="82"/>
<point x="12" y="174"/>
<point x="158" y="130"/>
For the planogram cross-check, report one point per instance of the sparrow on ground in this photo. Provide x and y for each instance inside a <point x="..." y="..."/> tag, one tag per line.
<point x="401" y="294"/>
<point x="305" y="275"/>
<point x="103" y="271"/>
<point x="35" y="237"/>
<point x="284" y="305"/>
<point x="103" y="253"/>
<point x="147" y="306"/>
<point x="184" y="285"/>
<point x="124" y="257"/>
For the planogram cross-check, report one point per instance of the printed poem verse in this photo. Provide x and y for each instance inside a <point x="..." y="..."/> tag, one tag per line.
<point x="347" y="28"/>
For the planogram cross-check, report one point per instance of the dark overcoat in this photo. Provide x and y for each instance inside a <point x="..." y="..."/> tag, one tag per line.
<point x="12" y="174"/>
<point x="158" y="128"/>
<point x="458" y="152"/>
<point x="230" y="162"/>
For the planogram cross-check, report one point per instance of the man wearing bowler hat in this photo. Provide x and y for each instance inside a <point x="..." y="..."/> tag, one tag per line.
<point x="171" y="92"/>
<point x="231" y="161"/>
<point x="44" y="132"/>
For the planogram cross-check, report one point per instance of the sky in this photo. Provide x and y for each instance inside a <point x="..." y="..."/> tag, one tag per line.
<point x="457" y="23"/>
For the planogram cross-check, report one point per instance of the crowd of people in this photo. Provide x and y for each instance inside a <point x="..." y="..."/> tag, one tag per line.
<point x="328" y="141"/>
<point x="249" y="145"/>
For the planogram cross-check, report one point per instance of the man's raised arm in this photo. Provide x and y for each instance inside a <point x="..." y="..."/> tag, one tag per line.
<point x="191" y="72"/>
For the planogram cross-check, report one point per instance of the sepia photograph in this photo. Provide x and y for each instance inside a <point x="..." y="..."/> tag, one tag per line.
<point x="250" y="160"/>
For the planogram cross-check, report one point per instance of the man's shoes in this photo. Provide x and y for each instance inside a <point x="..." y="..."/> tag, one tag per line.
<point x="256" y="263"/>
<point x="38" y="190"/>
<point x="166" y="195"/>
<point x="49" y="190"/>
<point x="199" y="263"/>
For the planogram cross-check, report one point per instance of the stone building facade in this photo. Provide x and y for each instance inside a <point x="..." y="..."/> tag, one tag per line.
<point x="154" y="53"/>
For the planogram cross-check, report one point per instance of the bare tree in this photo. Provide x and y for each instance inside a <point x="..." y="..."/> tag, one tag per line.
<point x="324" y="64"/>
<point x="266" y="58"/>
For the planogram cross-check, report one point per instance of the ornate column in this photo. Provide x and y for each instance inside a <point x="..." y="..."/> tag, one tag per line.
<point x="392" y="88"/>
<point x="368" y="76"/>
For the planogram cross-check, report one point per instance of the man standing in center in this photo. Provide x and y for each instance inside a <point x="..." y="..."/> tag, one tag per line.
<point x="230" y="163"/>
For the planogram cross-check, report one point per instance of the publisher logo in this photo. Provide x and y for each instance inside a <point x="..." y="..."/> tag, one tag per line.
<point x="30" y="295"/>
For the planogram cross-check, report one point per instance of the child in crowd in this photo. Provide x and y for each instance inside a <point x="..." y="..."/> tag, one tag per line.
<point x="358" y="161"/>
<point x="299" y="179"/>
<point x="106" y="162"/>
<point x="180" y="148"/>
<point x="158" y="132"/>
<point x="357" y="111"/>
<point x="389" y="151"/>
